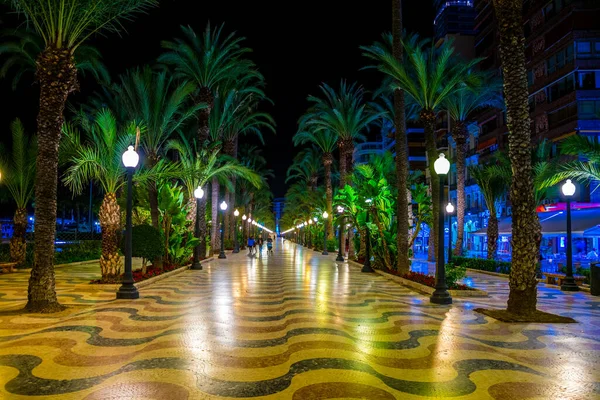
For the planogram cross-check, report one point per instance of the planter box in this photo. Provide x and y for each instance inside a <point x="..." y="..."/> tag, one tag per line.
<point x="426" y="289"/>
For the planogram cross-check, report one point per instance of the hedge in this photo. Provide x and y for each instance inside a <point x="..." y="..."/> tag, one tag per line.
<point x="483" y="264"/>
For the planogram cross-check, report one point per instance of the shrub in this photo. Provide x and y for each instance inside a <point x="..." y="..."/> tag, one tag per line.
<point x="228" y="244"/>
<point x="454" y="273"/>
<point x="429" y="280"/>
<point x="5" y="254"/>
<point x="83" y="251"/>
<point x="147" y="242"/>
<point x="585" y="272"/>
<point x="332" y="244"/>
<point x="483" y="264"/>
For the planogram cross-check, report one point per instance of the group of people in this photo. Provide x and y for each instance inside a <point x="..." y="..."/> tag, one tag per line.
<point x="252" y="244"/>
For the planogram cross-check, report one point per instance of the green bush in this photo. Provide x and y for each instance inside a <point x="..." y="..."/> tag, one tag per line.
<point x="83" y="251"/>
<point x="585" y="272"/>
<point x="483" y="264"/>
<point x="5" y="254"/>
<point x="332" y="244"/>
<point x="454" y="273"/>
<point x="228" y="244"/>
<point x="147" y="242"/>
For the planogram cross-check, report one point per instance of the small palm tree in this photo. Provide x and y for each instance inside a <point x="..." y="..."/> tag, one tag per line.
<point x="493" y="181"/>
<point x="326" y="141"/>
<point x="18" y="172"/>
<point x="307" y="166"/>
<point x="64" y="25"/>
<point x="462" y="106"/>
<point x="429" y="75"/>
<point x="163" y="105"/>
<point x="97" y="157"/>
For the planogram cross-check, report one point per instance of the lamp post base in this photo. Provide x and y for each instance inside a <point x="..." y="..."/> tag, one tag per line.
<point x="222" y="255"/>
<point x="325" y="253"/>
<point x="367" y="267"/>
<point x="196" y="266"/>
<point x="128" y="291"/>
<point x="236" y="250"/>
<point x="340" y="258"/>
<point x="569" y="285"/>
<point x="440" y="296"/>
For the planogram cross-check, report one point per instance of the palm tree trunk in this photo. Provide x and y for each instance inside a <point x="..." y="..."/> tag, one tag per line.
<point x="215" y="238"/>
<point x="343" y="178"/>
<point x="109" y="216"/>
<point x="18" y="244"/>
<point x="402" y="238"/>
<point x="428" y="119"/>
<point x="230" y="149"/>
<point x="57" y="77"/>
<point x="459" y="134"/>
<point x="327" y="161"/>
<point x="526" y="231"/>
<point x="202" y="225"/>
<point x="151" y="161"/>
<point x="492" y="235"/>
<point x="205" y="96"/>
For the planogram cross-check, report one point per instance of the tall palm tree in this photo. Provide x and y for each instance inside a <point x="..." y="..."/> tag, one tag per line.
<point x="64" y="26"/>
<point x="163" y="105"/>
<point x="307" y="166"/>
<point x="461" y="106"/>
<point x="429" y="75"/>
<point x="326" y="141"/>
<point x="493" y="181"/>
<point x="18" y="172"/>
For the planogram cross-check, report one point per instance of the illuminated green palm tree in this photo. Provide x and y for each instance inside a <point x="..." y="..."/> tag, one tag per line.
<point x="18" y="171"/>
<point x="429" y="75"/>
<point x="64" y="25"/>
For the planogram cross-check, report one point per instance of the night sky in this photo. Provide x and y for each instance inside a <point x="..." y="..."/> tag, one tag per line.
<point x="296" y="48"/>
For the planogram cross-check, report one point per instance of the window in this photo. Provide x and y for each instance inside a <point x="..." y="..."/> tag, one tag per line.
<point x="561" y="88"/>
<point x="562" y="115"/>
<point x="588" y="48"/>
<point x="560" y="59"/>
<point x="589" y="109"/>
<point x="588" y="80"/>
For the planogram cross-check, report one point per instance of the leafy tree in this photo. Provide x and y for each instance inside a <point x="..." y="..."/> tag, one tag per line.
<point x="18" y="171"/>
<point x="64" y="25"/>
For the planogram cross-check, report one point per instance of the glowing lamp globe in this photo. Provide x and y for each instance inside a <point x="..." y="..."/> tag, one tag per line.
<point x="449" y="208"/>
<point x="340" y="209"/>
<point x="130" y="158"/>
<point x="568" y="188"/>
<point x="236" y="213"/>
<point x="441" y="165"/>
<point x="223" y="205"/>
<point x="310" y="221"/>
<point x="244" y="217"/>
<point x="198" y="193"/>
<point x="315" y="219"/>
<point x="325" y="215"/>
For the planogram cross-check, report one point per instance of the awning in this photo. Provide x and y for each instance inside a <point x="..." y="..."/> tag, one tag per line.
<point x="583" y="223"/>
<point x="485" y="144"/>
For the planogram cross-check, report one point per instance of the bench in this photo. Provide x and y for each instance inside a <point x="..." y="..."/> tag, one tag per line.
<point x="557" y="279"/>
<point x="8" y="267"/>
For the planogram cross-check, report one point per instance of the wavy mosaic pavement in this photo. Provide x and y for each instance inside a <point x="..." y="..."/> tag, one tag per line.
<point x="295" y="325"/>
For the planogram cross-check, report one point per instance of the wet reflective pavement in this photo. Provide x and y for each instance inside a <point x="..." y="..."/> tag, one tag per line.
<point x="293" y="325"/>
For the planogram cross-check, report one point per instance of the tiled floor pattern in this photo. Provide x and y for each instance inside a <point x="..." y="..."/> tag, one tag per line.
<point x="294" y="325"/>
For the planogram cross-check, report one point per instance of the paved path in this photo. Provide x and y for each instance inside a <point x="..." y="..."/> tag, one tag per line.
<point x="294" y="325"/>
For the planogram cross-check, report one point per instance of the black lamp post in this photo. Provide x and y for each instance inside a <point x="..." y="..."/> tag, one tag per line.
<point x="449" y="211"/>
<point x="198" y="194"/>
<point x="569" y="284"/>
<point x="340" y="256"/>
<point x="367" y="265"/>
<point x="244" y="238"/>
<point x="325" y="216"/>
<point x="223" y="207"/>
<point x="441" y="295"/>
<point x="236" y="245"/>
<point x="309" y="233"/>
<point x="128" y="290"/>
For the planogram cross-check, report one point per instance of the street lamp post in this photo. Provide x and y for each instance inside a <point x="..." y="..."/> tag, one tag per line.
<point x="449" y="210"/>
<point x="310" y="221"/>
<point x="198" y="194"/>
<point x="223" y="207"/>
<point x="316" y="230"/>
<point x="367" y="265"/>
<point x="244" y="238"/>
<point x="340" y="256"/>
<point x="441" y="295"/>
<point x="128" y="290"/>
<point x="325" y="216"/>
<point x="236" y="245"/>
<point x="569" y="284"/>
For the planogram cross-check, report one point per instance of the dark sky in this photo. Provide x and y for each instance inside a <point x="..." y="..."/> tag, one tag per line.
<point x="297" y="45"/>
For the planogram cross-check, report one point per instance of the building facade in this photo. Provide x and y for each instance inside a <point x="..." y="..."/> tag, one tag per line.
<point x="278" y="207"/>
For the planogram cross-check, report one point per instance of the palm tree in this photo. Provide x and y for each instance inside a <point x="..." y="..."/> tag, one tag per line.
<point x="64" y="26"/>
<point x="461" y="106"/>
<point x="326" y="141"/>
<point x="493" y="181"/>
<point x="22" y="46"/>
<point x="307" y="166"/>
<point x="162" y="104"/>
<point x="18" y="172"/>
<point x="429" y="75"/>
